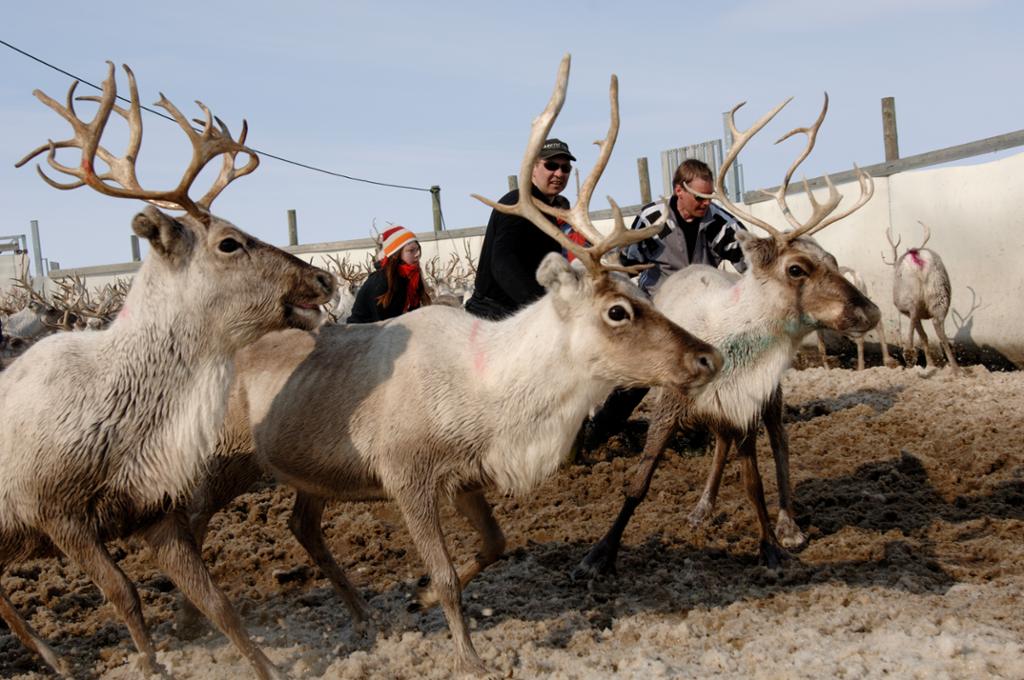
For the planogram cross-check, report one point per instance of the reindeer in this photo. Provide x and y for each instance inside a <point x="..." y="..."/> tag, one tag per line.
<point x="440" y="281"/>
<point x="858" y="338"/>
<point x="340" y="306"/>
<point x="107" y="431"/>
<point x="757" y="321"/>
<point x="921" y="290"/>
<point x="36" y="316"/>
<point x="471" y="404"/>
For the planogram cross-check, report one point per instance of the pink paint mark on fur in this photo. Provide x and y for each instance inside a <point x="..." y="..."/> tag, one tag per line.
<point x="479" y="358"/>
<point x="915" y="257"/>
<point x="124" y="313"/>
<point x="734" y="294"/>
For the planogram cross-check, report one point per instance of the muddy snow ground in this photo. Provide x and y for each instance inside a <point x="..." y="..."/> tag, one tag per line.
<point x="910" y="484"/>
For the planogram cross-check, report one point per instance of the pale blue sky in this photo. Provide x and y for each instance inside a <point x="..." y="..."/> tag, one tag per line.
<point x="443" y="93"/>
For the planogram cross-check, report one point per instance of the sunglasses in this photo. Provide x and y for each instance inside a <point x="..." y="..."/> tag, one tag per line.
<point x="698" y="199"/>
<point x="551" y="166"/>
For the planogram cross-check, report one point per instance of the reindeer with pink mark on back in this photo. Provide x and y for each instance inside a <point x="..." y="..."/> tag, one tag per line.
<point x="921" y="290"/>
<point x="438" y="405"/>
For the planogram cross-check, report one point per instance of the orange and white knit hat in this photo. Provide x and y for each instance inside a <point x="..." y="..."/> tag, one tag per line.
<point x="392" y="240"/>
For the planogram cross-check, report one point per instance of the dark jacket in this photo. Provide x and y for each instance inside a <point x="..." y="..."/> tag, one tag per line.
<point x="506" y="276"/>
<point x="366" y="308"/>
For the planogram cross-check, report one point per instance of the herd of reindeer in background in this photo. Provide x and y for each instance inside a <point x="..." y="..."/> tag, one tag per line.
<point x="191" y="390"/>
<point x="921" y="291"/>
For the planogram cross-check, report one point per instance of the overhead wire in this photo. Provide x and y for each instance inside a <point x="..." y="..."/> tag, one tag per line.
<point x="267" y="154"/>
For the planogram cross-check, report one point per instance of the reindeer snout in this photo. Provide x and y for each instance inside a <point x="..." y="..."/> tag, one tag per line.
<point x="865" y="317"/>
<point x="327" y="282"/>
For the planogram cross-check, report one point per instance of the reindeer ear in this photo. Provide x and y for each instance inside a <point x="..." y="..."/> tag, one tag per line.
<point x="555" y="274"/>
<point x="757" y="251"/>
<point x="166" y="236"/>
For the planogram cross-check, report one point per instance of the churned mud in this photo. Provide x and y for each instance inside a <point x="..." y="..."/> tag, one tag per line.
<point x="909" y="483"/>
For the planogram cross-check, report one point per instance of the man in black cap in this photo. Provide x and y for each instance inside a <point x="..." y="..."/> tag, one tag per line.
<point x="506" y="276"/>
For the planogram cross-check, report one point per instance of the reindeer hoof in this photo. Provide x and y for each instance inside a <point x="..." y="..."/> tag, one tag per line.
<point x="700" y="513"/>
<point x="149" y="667"/>
<point x="475" y="668"/>
<point x="773" y="555"/>
<point x="600" y="561"/>
<point x="788" y="532"/>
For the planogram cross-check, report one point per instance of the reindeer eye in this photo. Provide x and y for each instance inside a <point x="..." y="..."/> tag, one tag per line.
<point x="796" y="271"/>
<point x="228" y="245"/>
<point x="618" y="313"/>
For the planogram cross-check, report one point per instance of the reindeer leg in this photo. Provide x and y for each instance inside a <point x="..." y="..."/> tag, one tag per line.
<point x="305" y="525"/>
<point x="84" y="548"/>
<point x="177" y="555"/>
<point x="230" y="477"/>
<point x="928" y="358"/>
<point x="860" y="353"/>
<point x="940" y="332"/>
<point x="30" y="638"/>
<point x="822" y="352"/>
<point x="771" y="551"/>
<point x="887" y="360"/>
<point x="663" y="422"/>
<point x="474" y="507"/>
<point x="420" y="511"/>
<point x="786" y="528"/>
<point x="910" y="351"/>
<point x="706" y="504"/>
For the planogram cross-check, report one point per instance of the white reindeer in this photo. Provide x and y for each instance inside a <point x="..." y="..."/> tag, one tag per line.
<point x="921" y="290"/>
<point x="471" y="403"/>
<point x="106" y="431"/>
<point x="757" y="321"/>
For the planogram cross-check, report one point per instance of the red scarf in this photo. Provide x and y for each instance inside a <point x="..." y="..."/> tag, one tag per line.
<point x="411" y="273"/>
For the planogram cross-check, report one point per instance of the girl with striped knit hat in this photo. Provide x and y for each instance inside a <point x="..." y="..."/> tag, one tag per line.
<point x="397" y="285"/>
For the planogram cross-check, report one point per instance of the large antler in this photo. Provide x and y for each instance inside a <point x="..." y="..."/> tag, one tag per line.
<point x="821" y="213"/>
<point x="579" y="215"/>
<point x="120" y="179"/>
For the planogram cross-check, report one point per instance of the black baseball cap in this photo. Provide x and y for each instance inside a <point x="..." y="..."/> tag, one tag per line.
<point x="554" y="147"/>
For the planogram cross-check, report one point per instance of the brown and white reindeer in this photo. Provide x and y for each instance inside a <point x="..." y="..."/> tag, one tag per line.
<point x="439" y="405"/>
<point x="757" y="321"/>
<point x="107" y="431"/>
<point x="921" y="290"/>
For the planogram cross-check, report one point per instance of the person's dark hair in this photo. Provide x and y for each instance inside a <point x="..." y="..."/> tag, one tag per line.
<point x="390" y="267"/>
<point x="692" y="169"/>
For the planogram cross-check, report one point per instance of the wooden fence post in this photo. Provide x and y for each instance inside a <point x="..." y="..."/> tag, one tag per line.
<point x="435" y="202"/>
<point x="892" y="144"/>
<point x="645" y="180"/>
<point x="293" y="229"/>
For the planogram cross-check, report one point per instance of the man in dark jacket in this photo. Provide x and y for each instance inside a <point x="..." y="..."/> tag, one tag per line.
<point x="506" y="276"/>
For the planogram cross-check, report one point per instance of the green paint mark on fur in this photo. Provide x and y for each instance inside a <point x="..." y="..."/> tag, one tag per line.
<point x="743" y="350"/>
<point x="798" y="326"/>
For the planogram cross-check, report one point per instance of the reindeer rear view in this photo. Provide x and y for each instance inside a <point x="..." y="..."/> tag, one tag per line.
<point x="791" y="287"/>
<point x="921" y="290"/>
<point x="108" y="430"/>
